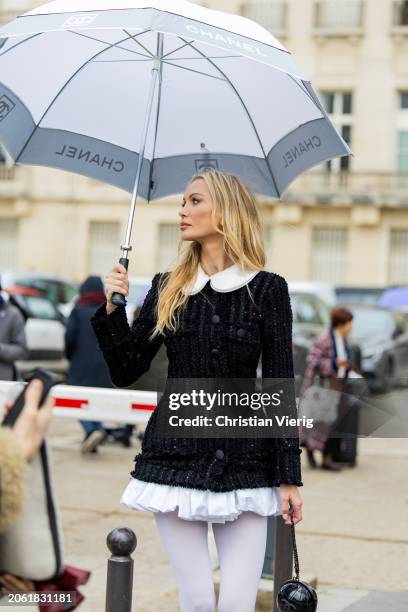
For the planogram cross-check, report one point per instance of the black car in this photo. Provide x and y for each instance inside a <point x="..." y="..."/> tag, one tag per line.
<point x="383" y="337"/>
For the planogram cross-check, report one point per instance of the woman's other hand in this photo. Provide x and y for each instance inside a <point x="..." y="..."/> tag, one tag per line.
<point x="290" y="493"/>
<point x="116" y="281"/>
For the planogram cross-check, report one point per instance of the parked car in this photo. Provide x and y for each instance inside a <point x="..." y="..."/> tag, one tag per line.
<point x="311" y="315"/>
<point x="44" y="328"/>
<point x="325" y="291"/>
<point x="383" y="337"/>
<point x="395" y="298"/>
<point x="358" y="295"/>
<point x="138" y="288"/>
<point x="57" y="289"/>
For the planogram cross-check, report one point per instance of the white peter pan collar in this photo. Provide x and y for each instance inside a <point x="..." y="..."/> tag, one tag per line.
<point x="229" y="279"/>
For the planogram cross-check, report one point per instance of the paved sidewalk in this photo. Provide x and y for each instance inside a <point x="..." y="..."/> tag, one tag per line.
<point x="348" y="600"/>
<point x="353" y="537"/>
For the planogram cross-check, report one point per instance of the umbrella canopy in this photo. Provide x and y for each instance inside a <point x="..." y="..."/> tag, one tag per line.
<point x="395" y="297"/>
<point x="75" y="83"/>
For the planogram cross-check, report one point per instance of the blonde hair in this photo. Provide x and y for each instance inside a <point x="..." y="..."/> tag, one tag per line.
<point x="242" y="230"/>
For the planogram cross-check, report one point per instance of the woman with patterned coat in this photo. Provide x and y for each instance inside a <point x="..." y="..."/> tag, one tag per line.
<point x="330" y="359"/>
<point x="216" y="312"/>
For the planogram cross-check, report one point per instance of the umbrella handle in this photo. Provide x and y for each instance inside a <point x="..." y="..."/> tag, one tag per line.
<point x="117" y="298"/>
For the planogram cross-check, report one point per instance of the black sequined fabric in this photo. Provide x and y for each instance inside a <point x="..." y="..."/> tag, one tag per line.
<point x="221" y="334"/>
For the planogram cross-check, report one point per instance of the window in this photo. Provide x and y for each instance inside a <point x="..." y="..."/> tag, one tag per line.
<point x="67" y="292"/>
<point x="339" y="105"/>
<point x="328" y="102"/>
<point x="41" y="308"/>
<point x="404" y="100"/>
<point x="346" y="134"/>
<point x="347" y="103"/>
<point x="3" y="156"/>
<point x="305" y="309"/>
<point x="337" y="15"/>
<point x="270" y="15"/>
<point x="403" y="151"/>
<point x="368" y="321"/>
<point x="401" y="13"/>
<point x="398" y="256"/>
<point x="137" y="293"/>
<point x="57" y="292"/>
<point x="329" y="254"/>
<point x="337" y="102"/>
<point x="104" y="246"/>
<point x="8" y="243"/>
<point x="169" y="237"/>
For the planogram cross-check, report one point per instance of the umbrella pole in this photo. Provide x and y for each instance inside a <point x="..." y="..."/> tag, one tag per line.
<point x="117" y="298"/>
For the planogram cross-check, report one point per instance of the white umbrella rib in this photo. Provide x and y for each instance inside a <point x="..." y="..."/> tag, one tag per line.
<point x="105" y="43"/>
<point x="149" y="187"/>
<point x="20" y="42"/>
<point x="139" y="43"/>
<point x="212" y="76"/>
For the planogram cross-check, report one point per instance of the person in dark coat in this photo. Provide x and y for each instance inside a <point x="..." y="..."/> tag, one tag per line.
<point x="13" y="342"/>
<point x="87" y="365"/>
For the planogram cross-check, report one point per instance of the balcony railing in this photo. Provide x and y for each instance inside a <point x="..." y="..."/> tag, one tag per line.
<point x="270" y="15"/>
<point x="314" y="186"/>
<point x="400" y="13"/>
<point x="338" y="16"/>
<point x="377" y="187"/>
<point x="15" y="182"/>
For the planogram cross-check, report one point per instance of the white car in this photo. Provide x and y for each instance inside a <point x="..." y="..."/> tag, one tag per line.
<point x="45" y="330"/>
<point x="325" y="291"/>
<point x="138" y="288"/>
<point x="60" y="291"/>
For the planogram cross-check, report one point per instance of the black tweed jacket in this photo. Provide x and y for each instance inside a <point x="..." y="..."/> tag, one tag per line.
<point x="221" y="334"/>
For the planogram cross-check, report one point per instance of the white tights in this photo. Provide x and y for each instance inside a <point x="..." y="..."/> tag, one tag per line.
<point x="241" y="549"/>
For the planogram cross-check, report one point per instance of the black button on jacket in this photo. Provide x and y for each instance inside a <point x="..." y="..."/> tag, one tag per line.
<point x="204" y="346"/>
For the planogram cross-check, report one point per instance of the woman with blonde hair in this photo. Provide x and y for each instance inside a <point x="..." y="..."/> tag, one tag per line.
<point x="216" y="312"/>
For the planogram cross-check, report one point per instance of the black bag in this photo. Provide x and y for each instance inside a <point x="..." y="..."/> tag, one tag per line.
<point x="295" y="595"/>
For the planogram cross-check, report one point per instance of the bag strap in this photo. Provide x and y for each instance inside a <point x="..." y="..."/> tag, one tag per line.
<point x="295" y="553"/>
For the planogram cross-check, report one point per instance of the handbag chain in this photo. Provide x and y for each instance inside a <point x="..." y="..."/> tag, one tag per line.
<point x="295" y="553"/>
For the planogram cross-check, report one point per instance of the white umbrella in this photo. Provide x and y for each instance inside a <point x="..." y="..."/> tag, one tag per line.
<point x="143" y="94"/>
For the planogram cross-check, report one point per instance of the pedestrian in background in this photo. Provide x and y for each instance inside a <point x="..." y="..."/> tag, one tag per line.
<point x="87" y="366"/>
<point x="13" y="343"/>
<point x="330" y="358"/>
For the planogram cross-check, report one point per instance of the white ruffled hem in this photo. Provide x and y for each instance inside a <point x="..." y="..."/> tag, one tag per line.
<point x="200" y="505"/>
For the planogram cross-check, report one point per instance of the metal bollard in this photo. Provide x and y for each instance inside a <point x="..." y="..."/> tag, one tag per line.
<point x="267" y="570"/>
<point x="121" y="542"/>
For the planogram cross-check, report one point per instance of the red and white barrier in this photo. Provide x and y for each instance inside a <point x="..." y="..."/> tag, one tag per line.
<point x="92" y="403"/>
